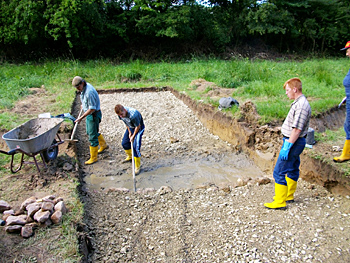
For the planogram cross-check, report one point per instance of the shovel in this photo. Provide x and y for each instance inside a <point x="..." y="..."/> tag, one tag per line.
<point x="74" y="129"/>
<point x="133" y="166"/>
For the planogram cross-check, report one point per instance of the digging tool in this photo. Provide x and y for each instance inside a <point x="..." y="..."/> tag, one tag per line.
<point x="342" y="102"/>
<point x="133" y="166"/>
<point x="75" y="128"/>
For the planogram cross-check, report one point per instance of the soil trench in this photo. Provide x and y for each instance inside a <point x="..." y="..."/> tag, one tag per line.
<point x="201" y="217"/>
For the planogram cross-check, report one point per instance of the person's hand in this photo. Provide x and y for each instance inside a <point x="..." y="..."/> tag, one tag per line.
<point x="285" y="150"/>
<point x="78" y="120"/>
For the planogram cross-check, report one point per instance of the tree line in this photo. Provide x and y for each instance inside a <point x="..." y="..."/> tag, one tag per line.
<point x="165" y="28"/>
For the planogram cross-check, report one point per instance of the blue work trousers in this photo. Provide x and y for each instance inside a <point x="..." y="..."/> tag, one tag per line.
<point x="137" y="141"/>
<point x="290" y="167"/>
<point x="347" y="118"/>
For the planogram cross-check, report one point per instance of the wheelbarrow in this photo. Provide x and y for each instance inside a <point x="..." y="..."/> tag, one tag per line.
<point x="36" y="136"/>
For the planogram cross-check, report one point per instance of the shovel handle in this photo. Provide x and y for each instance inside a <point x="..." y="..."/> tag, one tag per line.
<point x="133" y="165"/>
<point x="76" y="124"/>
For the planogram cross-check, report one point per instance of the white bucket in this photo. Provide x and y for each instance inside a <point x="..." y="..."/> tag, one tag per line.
<point x="45" y="115"/>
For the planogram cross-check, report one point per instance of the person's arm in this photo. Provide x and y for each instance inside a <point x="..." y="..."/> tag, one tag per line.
<point x="294" y="135"/>
<point x="135" y="132"/>
<point x="88" y="112"/>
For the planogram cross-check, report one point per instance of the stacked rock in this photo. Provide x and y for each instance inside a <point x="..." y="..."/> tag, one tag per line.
<point x="33" y="213"/>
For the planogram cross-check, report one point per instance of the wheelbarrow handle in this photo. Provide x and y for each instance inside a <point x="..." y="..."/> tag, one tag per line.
<point x="12" y="152"/>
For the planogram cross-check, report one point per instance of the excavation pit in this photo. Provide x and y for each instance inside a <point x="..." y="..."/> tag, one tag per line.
<point x="177" y="149"/>
<point x="187" y="144"/>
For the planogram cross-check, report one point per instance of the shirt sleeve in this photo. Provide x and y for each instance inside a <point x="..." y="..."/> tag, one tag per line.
<point x="93" y="101"/>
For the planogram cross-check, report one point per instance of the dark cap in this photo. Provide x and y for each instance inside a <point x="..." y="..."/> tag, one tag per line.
<point x="347" y="45"/>
<point x="76" y="81"/>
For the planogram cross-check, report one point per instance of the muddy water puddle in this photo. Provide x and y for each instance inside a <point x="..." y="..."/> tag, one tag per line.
<point x="189" y="174"/>
<point x="178" y="151"/>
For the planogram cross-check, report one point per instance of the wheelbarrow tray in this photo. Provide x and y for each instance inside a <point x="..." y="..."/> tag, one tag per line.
<point x="33" y="136"/>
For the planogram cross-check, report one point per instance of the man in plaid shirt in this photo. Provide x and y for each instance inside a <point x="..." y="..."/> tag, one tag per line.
<point x="133" y="134"/>
<point x="294" y="130"/>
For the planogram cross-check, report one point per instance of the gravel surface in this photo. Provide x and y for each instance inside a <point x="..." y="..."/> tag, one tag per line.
<point x="208" y="225"/>
<point x="203" y="224"/>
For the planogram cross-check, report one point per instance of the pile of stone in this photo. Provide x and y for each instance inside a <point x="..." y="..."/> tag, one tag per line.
<point x="33" y="213"/>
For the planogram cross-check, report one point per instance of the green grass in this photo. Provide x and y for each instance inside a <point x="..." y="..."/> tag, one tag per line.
<point x="334" y="137"/>
<point x="258" y="81"/>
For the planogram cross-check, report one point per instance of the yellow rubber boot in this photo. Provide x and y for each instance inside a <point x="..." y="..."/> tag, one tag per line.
<point x="280" y="197"/>
<point x="93" y="155"/>
<point x="292" y="186"/>
<point x="137" y="164"/>
<point x="102" y="143"/>
<point x="128" y="156"/>
<point x="345" y="154"/>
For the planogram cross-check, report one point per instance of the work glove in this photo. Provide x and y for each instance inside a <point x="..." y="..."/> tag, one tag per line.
<point x="285" y="150"/>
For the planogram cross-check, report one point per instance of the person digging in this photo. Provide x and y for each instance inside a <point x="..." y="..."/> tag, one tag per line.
<point x="91" y="107"/>
<point x="133" y="134"/>
<point x="294" y="131"/>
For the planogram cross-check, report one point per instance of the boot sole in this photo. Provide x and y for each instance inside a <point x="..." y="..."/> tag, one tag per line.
<point x="103" y="149"/>
<point x="340" y="161"/>
<point x="277" y="208"/>
<point x="90" y="163"/>
<point x="290" y="201"/>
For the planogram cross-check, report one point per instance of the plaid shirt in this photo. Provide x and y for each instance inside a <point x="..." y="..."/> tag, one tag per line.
<point x="133" y="118"/>
<point x="298" y="117"/>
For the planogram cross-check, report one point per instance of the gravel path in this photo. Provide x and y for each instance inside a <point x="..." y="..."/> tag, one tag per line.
<point x="208" y="224"/>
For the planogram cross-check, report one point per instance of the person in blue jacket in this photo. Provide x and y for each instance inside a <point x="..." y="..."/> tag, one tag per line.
<point x="345" y="156"/>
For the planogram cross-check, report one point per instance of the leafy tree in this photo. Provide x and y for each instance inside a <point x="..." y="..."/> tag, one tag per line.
<point x="21" y="21"/>
<point x="307" y="24"/>
<point x="78" y="22"/>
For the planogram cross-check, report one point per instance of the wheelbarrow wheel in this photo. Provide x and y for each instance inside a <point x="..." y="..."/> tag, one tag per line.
<point x="51" y="153"/>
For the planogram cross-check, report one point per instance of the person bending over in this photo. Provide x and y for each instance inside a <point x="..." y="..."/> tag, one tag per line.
<point x="133" y="134"/>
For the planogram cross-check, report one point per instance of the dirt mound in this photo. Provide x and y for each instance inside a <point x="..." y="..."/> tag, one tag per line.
<point x="211" y="89"/>
<point x="249" y="112"/>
